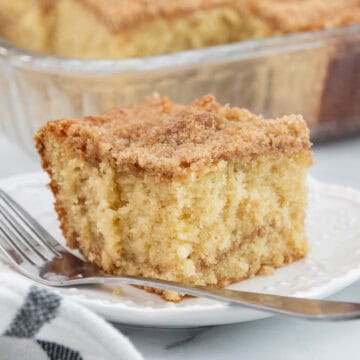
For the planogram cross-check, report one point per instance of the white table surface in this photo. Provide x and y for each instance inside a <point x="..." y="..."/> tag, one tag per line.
<point x="275" y="338"/>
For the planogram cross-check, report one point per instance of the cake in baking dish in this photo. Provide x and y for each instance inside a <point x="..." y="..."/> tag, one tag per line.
<point x="123" y="28"/>
<point x="202" y="194"/>
<point x="26" y="23"/>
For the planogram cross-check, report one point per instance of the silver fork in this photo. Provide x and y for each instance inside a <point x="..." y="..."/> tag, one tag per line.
<point x="34" y="253"/>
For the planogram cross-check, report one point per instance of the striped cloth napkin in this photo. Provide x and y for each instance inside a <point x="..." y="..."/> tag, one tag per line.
<point x="36" y="323"/>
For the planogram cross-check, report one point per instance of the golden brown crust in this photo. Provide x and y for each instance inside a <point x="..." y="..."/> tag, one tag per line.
<point x="164" y="139"/>
<point x="283" y="15"/>
<point x="293" y="16"/>
<point x="67" y="231"/>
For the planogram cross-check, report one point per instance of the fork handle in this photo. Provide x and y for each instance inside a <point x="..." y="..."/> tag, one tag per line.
<point x="291" y="306"/>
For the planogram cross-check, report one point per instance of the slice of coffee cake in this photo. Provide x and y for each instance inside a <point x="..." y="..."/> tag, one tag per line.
<point x="202" y="194"/>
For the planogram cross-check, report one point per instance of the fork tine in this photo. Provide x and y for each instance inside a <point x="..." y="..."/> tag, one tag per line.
<point x="17" y="231"/>
<point x="13" y="251"/>
<point x="14" y="238"/>
<point x="43" y="237"/>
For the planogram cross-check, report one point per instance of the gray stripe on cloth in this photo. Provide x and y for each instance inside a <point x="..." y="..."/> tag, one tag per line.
<point x="21" y="349"/>
<point x="56" y="351"/>
<point x="40" y="306"/>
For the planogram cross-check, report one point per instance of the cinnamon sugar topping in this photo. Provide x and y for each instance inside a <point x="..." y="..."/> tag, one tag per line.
<point x="294" y="15"/>
<point x="120" y="14"/>
<point x="162" y="138"/>
<point x="283" y="15"/>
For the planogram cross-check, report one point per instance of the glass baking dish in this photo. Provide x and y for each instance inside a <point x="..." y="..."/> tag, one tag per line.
<point x="316" y="74"/>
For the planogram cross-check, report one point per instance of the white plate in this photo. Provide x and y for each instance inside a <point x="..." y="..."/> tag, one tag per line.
<point x="333" y="226"/>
